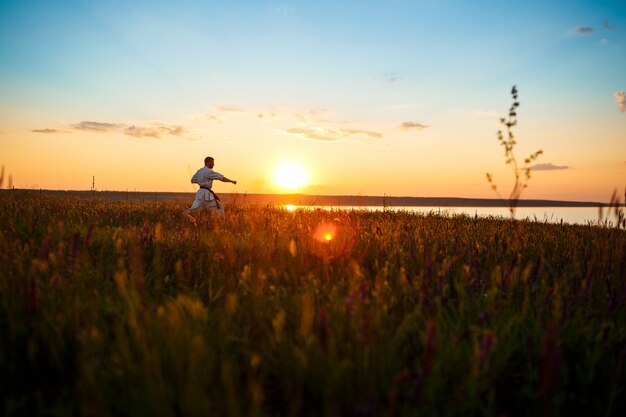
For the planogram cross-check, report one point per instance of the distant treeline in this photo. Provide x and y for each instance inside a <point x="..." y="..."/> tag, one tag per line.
<point x="315" y="200"/>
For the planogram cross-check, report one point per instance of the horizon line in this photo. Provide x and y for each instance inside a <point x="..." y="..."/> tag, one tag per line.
<point x="425" y="200"/>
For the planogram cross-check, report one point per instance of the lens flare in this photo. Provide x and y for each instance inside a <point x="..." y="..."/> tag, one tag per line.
<point x="325" y="232"/>
<point x="331" y="239"/>
<point x="290" y="207"/>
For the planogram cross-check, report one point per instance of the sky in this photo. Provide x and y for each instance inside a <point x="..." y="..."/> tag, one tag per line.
<point x="399" y="98"/>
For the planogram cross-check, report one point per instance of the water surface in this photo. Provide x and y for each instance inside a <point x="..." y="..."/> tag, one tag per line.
<point x="571" y="215"/>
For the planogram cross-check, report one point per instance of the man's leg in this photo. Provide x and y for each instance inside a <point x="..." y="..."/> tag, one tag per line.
<point x="216" y="206"/>
<point x="196" y="205"/>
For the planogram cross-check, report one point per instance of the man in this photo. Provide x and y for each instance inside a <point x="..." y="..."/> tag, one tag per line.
<point x="205" y="197"/>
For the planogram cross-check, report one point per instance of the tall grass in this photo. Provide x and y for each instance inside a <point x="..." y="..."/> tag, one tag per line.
<point x="127" y="308"/>
<point x="10" y="180"/>
<point x="521" y="172"/>
<point x="614" y="215"/>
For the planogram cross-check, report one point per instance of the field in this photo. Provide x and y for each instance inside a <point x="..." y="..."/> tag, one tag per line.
<point x="130" y="308"/>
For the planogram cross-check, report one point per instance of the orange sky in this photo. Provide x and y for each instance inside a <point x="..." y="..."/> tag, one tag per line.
<point x="400" y="99"/>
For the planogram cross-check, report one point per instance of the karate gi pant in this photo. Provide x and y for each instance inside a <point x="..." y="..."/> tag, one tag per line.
<point x="200" y="204"/>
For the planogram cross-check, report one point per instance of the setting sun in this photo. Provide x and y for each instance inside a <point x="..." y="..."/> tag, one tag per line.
<point x="290" y="176"/>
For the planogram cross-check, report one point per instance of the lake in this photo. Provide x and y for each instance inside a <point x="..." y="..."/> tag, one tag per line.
<point x="571" y="215"/>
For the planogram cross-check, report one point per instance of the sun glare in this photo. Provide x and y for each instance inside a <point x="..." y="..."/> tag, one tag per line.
<point x="290" y="176"/>
<point x="325" y="232"/>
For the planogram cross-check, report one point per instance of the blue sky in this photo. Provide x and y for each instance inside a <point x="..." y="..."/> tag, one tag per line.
<point x="445" y="65"/>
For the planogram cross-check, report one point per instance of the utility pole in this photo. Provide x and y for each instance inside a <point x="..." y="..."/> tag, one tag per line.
<point x="93" y="186"/>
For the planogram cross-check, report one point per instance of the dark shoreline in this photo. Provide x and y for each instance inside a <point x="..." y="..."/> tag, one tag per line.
<point x="311" y="200"/>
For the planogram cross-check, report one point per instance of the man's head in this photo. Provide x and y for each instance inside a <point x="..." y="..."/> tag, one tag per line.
<point x="209" y="161"/>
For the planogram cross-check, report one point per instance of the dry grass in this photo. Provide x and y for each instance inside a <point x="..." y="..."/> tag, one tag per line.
<point x="117" y="308"/>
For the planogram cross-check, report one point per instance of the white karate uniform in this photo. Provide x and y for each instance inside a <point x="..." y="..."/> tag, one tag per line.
<point x="204" y="198"/>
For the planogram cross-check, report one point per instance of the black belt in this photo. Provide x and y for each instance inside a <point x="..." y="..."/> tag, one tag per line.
<point x="212" y="192"/>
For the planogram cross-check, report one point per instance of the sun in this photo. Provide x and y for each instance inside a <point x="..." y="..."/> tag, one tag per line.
<point x="290" y="176"/>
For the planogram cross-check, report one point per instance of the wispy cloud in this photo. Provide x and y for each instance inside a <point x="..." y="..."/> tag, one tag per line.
<point x="316" y="116"/>
<point x="412" y="125"/>
<point x="329" y="135"/>
<point x="549" y="167"/>
<point x="390" y="77"/>
<point x="155" y="130"/>
<point x="47" y="130"/>
<point x="224" y="111"/>
<point x="267" y="116"/>
<point x="97" y="126"/>
<point x="211" y="118"/>
<point x="317" y="124"/>
<point x="620" y="99"/>
<point x="371" y="134"/>
<point x="583" y="30"/>
<point x="312" y="134"/>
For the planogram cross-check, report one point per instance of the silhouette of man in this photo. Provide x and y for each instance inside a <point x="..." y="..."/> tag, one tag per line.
<point x="205" y="197"/>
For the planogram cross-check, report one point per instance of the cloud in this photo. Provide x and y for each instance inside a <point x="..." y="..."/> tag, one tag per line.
<point x="347" y="132"/>
<point x="211" y="118"/>
<point x="266" y="117"/>
<point x="620" y="99"/>
<point x="97" y="126"/>
<point x="312" y="134"/>
<point x="316" y="116"/>
<point x="156" y="130"/>
<point x="329" y="135"/>
<point x="390" y="77"/>
<point x="412" y="125"/>
<point x="273" y="113"/>
<point x="47" y="130"/>
<point x="548" y="167"/>
<point x="583" y="30"/>
<point x="224" y="111"/>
